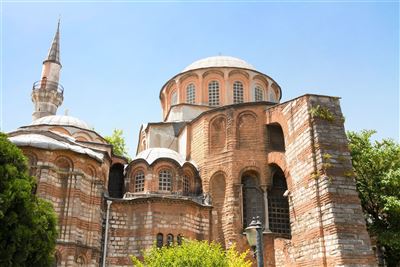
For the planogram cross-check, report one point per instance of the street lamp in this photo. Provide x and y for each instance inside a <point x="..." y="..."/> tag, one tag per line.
<point x="254" y="237"/>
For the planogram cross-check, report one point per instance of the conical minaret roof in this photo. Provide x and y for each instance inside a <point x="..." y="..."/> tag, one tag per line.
<point x="54" y="51"/>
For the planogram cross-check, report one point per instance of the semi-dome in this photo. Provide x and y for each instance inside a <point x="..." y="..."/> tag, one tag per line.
<point x="61" y="120"/>
<point x="219" y="61"/>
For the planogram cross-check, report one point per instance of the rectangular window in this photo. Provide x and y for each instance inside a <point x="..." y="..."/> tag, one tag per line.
<point x="164" y="182"/>
<point x="139" y="182"/>
<point x="258" y="94"/>
<point x="190" y="94"/>
<point x="213" y="93"/>
<point x="237" y="93"/>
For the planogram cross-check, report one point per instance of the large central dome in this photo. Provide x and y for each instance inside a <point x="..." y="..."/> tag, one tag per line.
<point x="219" y="61"/>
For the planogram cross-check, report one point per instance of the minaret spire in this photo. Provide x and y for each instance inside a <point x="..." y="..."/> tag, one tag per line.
<point x="54" y="51"/>
<point x="47" y="94"/>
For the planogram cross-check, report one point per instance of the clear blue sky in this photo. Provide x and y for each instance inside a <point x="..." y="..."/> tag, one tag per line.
<point x="116" y="56"/>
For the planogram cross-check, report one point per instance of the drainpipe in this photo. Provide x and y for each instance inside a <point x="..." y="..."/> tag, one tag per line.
<point x="106" y="233"/>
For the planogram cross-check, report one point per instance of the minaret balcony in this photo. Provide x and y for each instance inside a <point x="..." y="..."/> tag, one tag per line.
<point x="48" y="85"/>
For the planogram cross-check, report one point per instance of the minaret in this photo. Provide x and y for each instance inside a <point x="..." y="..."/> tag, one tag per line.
<point x="47" y="94"/>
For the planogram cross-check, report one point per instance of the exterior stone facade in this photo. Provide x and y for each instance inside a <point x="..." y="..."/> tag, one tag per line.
<point x="226" y="151"/>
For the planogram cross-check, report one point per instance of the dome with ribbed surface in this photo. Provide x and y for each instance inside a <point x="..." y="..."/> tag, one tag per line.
<point x="152" y="154"/>
<point x="219" y="61"/>
<point x="61" y="120"/>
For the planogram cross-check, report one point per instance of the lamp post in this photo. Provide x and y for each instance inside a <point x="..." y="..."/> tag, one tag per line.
<point x="254" y="237"/>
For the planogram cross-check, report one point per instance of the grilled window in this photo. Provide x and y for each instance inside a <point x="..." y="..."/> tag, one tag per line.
<point x="237" y="92"/>
<point x="272" y="96"/>
<point x="139" y="182"/>
<point x="253" y="202"/>
<point x="258" y="94"/>
<point x="186" y="184"/>
<point x="165" y="180"/>
<point x="278" y="205"/>
<point x="174" y="98"/>
<point x="160" y="240"/>
<point x="170" y="240"/>
<point x="213" y="93"/>
<point x="179" y="239"/>
<point x="190" y="94"/>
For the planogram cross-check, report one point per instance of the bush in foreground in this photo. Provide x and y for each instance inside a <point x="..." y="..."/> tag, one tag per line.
<point x="192" y="253"/>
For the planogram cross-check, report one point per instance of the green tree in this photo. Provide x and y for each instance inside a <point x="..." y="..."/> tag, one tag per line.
<point x="27" y="224"/>
<point x="192" y="253"/>
<point x="377" y="168"/>
<point x="118" y="142"/>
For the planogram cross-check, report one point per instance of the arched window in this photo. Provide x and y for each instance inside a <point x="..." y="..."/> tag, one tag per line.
<point x="160" y="240"/>
<point x="247" y="131"/>
<point x="139" y="181"/>
<point x="217" y="134"/>
<point x="237" y="92"/>
<point x="64" y="167"/>
<point x="213" y="93"/>
<point x="186" y="185"/>
<point x="80" y="261"/>
<point x="179" y="239"/>
<point x="276" y="139"/>
<point x="170" y="240"/>
<point x="32" y="163"/>
<point x="197" y="187"/>
<point x="174" y="98"/>
<point x="258" y="94"/>
<point x="278" y="205"/>
<point x="253" y="201"/>
<point x="116" y="181"/>
<point x="165" y="180"/>
<point x="272" y="96"/>
<point x="217" y="190"/>
<point x="57" y="260"/>
<point x="190" y="94"/>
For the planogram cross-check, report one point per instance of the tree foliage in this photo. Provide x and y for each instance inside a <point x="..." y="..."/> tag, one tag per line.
<point x="118" y="142"/>
<point x="192" y="253"/>
<point x="27" y="224"/>
<point x="377" y="168"/>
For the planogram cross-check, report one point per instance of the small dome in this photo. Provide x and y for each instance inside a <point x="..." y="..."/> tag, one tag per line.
<point x="152" y="154"/>
<point x="61" y="120"/>
<point x="219" y="61"/>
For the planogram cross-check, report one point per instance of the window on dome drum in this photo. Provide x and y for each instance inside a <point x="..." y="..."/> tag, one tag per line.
<point x="258" y="94"/>
<point x="160" y="240"/>
<point x="272" y="96"/>
<point x="237" y="92"/>
<point x="190" y="94"/>
<point x="186" y="185"/>
<point x="139" y="182"/>
<point x="170" y="240"/>
<point x="253" y="200"/>
<point x="213" y="93"/>
<point x="165" y="180"/>
<point x="278" y="205"/>
<point x="174" y="98"/>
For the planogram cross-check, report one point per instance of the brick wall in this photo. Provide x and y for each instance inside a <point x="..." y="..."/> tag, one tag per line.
<point x="76" y="195"/>
<point x="328" y="228"/>
<point x="134" y="225"/>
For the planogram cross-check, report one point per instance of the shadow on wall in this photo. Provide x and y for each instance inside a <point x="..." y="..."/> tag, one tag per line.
<point x="116" y="181"/>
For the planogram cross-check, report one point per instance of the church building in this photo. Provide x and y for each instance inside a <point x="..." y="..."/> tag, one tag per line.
<point x="227" y="150"/>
